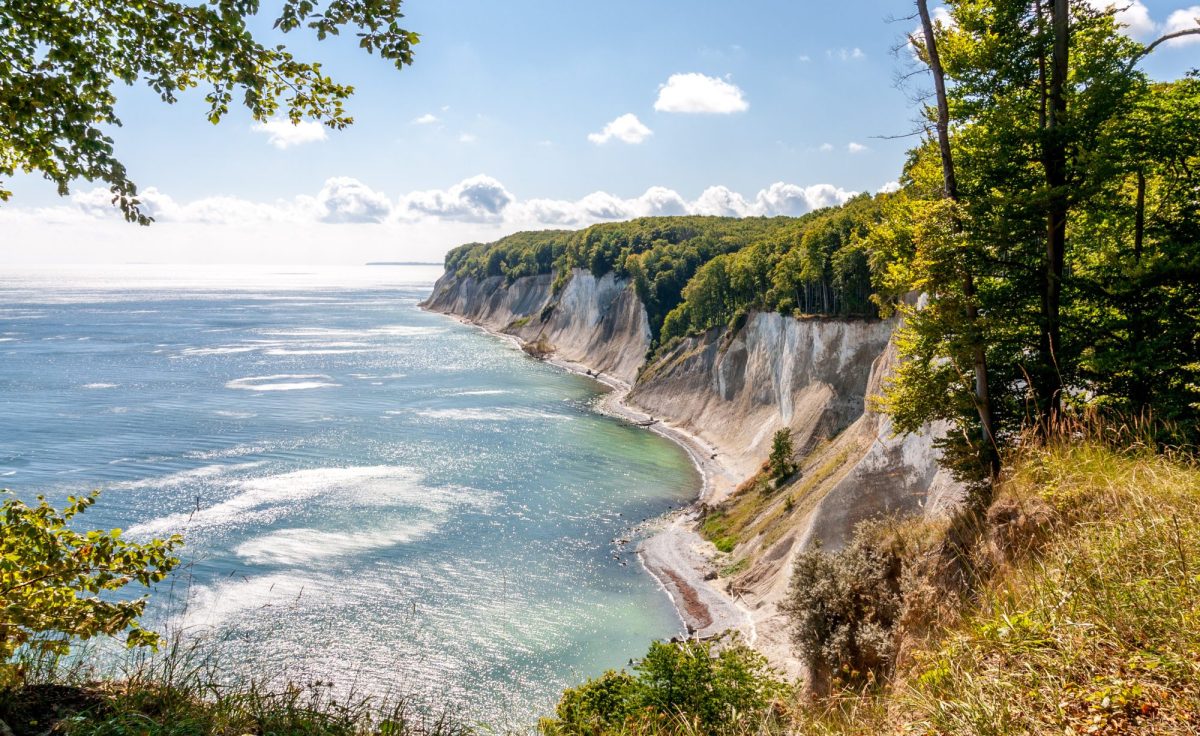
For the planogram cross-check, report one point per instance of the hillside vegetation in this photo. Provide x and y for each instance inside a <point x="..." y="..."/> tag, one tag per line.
<point x="694" y="273"/>
<point x="1069" y="606"/>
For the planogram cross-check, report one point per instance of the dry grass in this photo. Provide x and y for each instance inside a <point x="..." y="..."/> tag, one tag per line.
<point x="1084" y="615"/>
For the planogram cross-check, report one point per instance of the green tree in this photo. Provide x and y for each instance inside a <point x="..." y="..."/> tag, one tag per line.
<point x="1003" y="238"/>
<point x="56" y="584"/>
<point x="716" y="687"/>
<point x="60" y="63"/>
<point x="1136" y="302"/>
<point x="780" y="460"/>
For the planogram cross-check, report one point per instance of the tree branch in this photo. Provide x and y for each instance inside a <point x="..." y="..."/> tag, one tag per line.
<point x="1161" y="40"/>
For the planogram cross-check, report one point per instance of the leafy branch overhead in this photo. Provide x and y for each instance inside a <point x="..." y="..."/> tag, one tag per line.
<point x="60" y="62"/>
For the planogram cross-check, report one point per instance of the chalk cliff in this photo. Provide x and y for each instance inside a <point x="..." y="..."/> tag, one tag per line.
<point x="733" y="389"/>
<point x="596" y="322"/>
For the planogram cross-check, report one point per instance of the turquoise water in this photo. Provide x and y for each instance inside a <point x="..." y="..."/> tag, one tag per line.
<point x="369" y="493"/>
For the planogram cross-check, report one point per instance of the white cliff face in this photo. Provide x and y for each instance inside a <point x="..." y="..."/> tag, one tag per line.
<point x="490" y="302"/>
<point x="736" y="391"/>
<point x="895" y="475"/>
<point x="599" y="323"/>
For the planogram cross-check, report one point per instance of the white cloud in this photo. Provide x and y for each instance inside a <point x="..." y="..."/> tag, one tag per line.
<point x="826" y="147"/>
<point x="846" y="54"/>
<point x="697" y="93"/>
<point x="890" y="186"/>
<point x="282" y="133"/>
<point x="627" y="129"/>
<point x="301" y="229"/>
<point x="343" y="199"/>
<point x="722" y="201"/>
<point x="1182" y="20"/>
<point x="853" y="147"/>
<point x="426" y="119"/>
<point x="478" y="199"/>
<point x="660" y="201"/>
<point x="790" y="199"/>
<point x="1132" y="15"/>
<point x="804" y="58"/>
<point x="467" y="138"/>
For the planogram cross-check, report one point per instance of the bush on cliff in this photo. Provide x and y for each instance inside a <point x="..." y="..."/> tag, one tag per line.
<point x="721" y="687"/>
<point x="843" y="608"/>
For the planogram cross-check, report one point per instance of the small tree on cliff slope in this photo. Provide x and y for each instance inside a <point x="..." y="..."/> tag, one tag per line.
<point x="780" y="461"/>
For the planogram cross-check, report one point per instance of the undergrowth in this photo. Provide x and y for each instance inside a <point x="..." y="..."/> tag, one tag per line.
<point x="182" y="692"/>
<point x="1079" y="612"/>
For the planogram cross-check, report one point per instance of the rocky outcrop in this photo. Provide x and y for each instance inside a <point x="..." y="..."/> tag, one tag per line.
<point x="736" y="390"/>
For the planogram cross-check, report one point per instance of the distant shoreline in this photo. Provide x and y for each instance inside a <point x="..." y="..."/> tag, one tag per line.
<point x="403" y="263"/>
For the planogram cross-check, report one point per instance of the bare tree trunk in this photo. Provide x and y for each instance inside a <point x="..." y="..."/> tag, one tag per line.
<point x="983" y="401"/>
<point x="1055" y="163"/>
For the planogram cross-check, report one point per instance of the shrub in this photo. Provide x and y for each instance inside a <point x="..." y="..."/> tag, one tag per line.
<point x="843" y="608"/>
<point x="715" y="686"/>
<point x="52" y="580"/>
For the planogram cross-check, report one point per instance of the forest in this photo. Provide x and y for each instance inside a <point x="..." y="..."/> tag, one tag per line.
<point x="696" y="273"/>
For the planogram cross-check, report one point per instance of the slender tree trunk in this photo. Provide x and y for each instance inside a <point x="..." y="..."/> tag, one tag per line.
<point x="1055" y="162"/>
<point x="1139" y="217"/>
<point x="983" y="401"/>
<point x="1140" y="388"/>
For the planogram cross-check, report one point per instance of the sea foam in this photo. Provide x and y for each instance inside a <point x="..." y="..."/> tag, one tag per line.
<point x="282" y="382"/>
<point x="262" y="500"/>
<point x="302" y="545"/>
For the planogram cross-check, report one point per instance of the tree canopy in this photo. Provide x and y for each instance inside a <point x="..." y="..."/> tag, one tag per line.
<point x="1051" y="224"/>
<point x="61" y="62"/>
<point x="694" y="273"/>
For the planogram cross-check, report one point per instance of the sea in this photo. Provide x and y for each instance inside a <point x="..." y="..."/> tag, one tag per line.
<point x="370" y="495"/>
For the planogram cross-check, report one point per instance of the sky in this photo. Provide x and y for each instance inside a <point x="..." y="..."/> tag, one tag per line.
<point x="525" y="114"/>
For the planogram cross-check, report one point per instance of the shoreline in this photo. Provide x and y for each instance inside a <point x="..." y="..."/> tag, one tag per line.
<point x="674" y="554"/>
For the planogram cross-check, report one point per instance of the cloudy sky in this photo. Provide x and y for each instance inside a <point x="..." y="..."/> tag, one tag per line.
<point x="524" y="114"/>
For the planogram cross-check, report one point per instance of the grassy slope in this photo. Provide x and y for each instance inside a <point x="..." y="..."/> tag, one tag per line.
<point x="1087" y="619"/>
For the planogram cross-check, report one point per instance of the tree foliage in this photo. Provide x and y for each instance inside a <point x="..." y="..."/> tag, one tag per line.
<point x="712" y="686"/>
<point x="57" y="585"/>
<point x="694" y="273"/>
<point x="1075" y="214"/>
<point x="60" y="63"/>
<point x="779" y="462"/>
